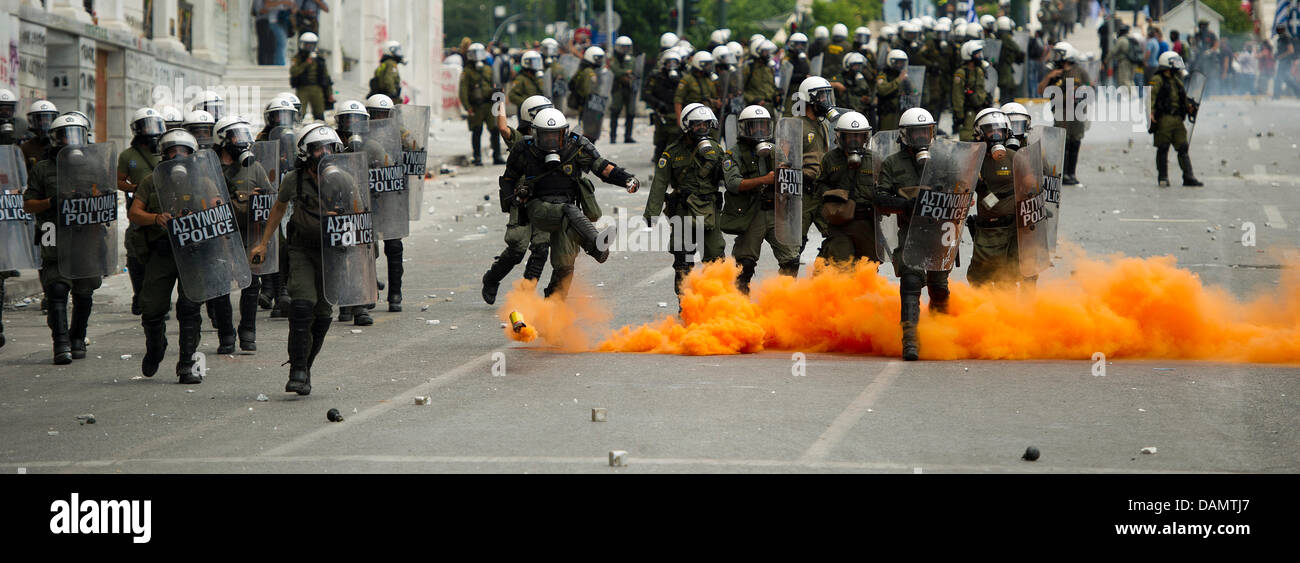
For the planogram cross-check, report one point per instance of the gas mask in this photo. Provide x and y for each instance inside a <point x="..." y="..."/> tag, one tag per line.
<point x="1013" y="143"/>
<point x="917" y="139"/>
<point x="179" y="176"/>
<point x="832" y="114"/>
<point x="823" y="102"/>
<point x="854" y="144"/>
<point x="671" y="68"/>
<point x="699" y="131"/>
<point x="764" y="148"/>
<point x="238" y="143"/>
<point x="550" y="141"/>
<point x="7" y="124"/>
<point x="151" y="142"/>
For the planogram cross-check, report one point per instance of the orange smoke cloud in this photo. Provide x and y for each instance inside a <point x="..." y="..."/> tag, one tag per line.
<point x="562" y="324"/>
<point x="1121" y="306"/>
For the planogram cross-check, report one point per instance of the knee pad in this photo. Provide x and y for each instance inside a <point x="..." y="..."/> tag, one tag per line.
<point x="187" y="309"/>
<point x="301" y="309"/>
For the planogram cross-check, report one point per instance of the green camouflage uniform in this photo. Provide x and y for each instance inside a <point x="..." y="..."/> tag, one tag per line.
<point x="996" y="257"/>
<point x="752" y="215"/>
<point x="889" y="89"/>
<point x="856" y="238"/>
<point x="815" y="146"/>
<point x="968" y="97"/>
<point x="695" y="178"/>
<point x="311" y="81"/>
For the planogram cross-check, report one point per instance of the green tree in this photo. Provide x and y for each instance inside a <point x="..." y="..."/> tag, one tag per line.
<point x="852" y="13"/>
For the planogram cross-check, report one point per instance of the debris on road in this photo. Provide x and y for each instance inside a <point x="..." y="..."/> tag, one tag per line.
<point x="422" y="400"/>
<point x="126" y="356"/>
<point x="617" y="458"/>
<point x="262" y="398"/>
<point x="333" y="416"/>
<point x="356" y="331"/>
<point x="1031" y="454"/>
<point x="56" y="433"/>
<point x="599" y="415"/>
<point x="1149" y="450"/>
<point x="85" y="419"/>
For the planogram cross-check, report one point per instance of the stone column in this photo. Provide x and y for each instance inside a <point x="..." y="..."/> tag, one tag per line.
<point x="112" y="15"/>
<point x="166" y="20"/>
<point x="203" y="42"/>
<point x="71" y="9"/>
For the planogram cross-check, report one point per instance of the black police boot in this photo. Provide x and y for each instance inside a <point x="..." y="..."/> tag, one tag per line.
<point x="346" y="314"/>
<point x="1071" y="163"/>
<point x="937" y="287"/>
<point x="1162" y="166"/>
<point x="790" y="268"/>
<point x="223" y="319"/>
<point x="560" y="278"/>
<point x="191" y="334"/>
<point x="501" y="265"/>
<point x="300" y="323"/>
<point x="591" y="237"/>
<point x="536" y="262"/>
<point x="679" y="276"/>
<point x="56" y="317"/>
<point x="1185" y="163"/>
<point x="911" y="309"/>
<point x="362" y="317"/>
<point x="81" y="306"/>
<point x="282" y="301"/>
<point x="393" y="255"/>
<point x="747" y="267"/>
<point x="319" y="328"/>
<point x="248" y="301"/>
<point x="155" y="346"/>
<point x="266" y="297"/>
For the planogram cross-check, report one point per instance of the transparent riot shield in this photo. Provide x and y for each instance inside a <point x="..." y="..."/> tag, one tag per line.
<point x="18" y="251"/>
<point x="260" y="200"/>
<point x="499" y="65"/>
<point x="387" y="179"/>
<point x="789" y="181"/>
<point x="1195" y="90"/>
<point x="991" y="81"/>
<point x="211" y="260"/>
<point x="882" y="145"/>
<point x="882" y="54"/>
<point x="288" y="148"/>
<point x="946" y="194"/>
<point x="815" y="66"/>
<point x="1052" y="141"/>
<point x="347" y="231"/>
<point x="548" y="84"/>
<point x="730" y="130"/>
<point x="787" y="74"/>
<point x="638" y="76"/>
<point x="913" y="88"/>
<point x="86" y="229"/>
<point x="1022" y="40"/>
<point x="415" y="139"/>
<point x="992" y="50"/>
<point x="1032" y="210"/>
<point x="593" y="113"/>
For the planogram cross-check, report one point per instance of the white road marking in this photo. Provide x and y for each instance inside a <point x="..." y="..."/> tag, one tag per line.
<point x="851" y="414"/>
<point x="1253" y="143"/>
<point x="1275" y="219"/>
<point x="1127" y="220"/>
<point x="400" y="399"/>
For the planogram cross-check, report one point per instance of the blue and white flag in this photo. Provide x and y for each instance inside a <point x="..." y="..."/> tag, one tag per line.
<point x="1288" y="14"/>
<point x="970" y="11"/>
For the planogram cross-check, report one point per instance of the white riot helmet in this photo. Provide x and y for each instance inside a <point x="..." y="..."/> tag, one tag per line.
<point x="862" y="35"/>
<point x="532" y="60"/>
<point x="212" y="103"/>
<point x="987" y="21"/>
<point x="820" y="32"/>
<point x="722" y="55"/>
<point x="839" y="32"/>
<point x="40" y="116"/>
<point x="818" y="94"/>
<point x="1061" y="53"/>
<point x="668" y="40"/>
<point x="916" y="128"/>
<point x="888" y="31"/>
<point x="8" y="109"/>
<point x="172" y="117"/>
<point x="927" y="22"/>
<point x="594" y="55"/>
<point x="896" y="59"/>
<point x="797" y="42"/>
<point x="315" y="141"/>
<point x="530" y="108"/>
<point x="754" y="123"/>
<point x="994" y="128"/>
<point x="279" y="112"/>
<point x="702" y="61"/>
<point x="379" y="106"/>
<point x="736" y="51"/>
<point x="234" y="135"/>
<point x="477" y="53"/>
<point x="717" y="36"/>
<point x="550" y="131"/>
<point x="307" y="42"/>
<point x="623" y="45"/>
<point x="1170" y="59"/>
<point x="70" y="130"/>
<point x="670" y="61"/>
<point x="854" y="58"/>
<point x="1019" y="118"/>
<point x="147" y="122"/>
<point x="911" y="31"/>
<point x="972" y="50"/>
<point x="768" y="48"/>
<point x="394" y="49"/>
<point x="171" y="143"/>
<point x="293" y="99"/>
<point x="200" y="123"/>
<point x="698" y="122"/>
<point x="944" y="20"/>
<point x="550" y="47"/>
<point x="351" y="119"/>
<point x="853" y="131"/>
<point x="1005" y="24"/>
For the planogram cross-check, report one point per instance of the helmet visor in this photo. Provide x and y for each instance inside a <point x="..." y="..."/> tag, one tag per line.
<point x="150" y="126"/>
<point x="237" y="136"/>
<point x="550" y="140"/>
<point x="702" y="128"/>
<point x="216" y="108"/>
<point x="756" y="128"/>
<point x="41" y="121"/>
<point x="822" y="96"/>
<point x="175" y="151"/>
<point x="319" y="149"/>
<point x="532" y="112"/>
<point x="202" y="134"/>
<point x="897" y="64"/>
<point x="71" y="136"/>
<point x="353" y="123"/>
<point x="280" y="117"/>
<point x="671" y="64"/>
<point x="7" y="110"/>
<point x="918" y="135"/>
<point x="854" y="141"/>
<point x="1019" y="125"/>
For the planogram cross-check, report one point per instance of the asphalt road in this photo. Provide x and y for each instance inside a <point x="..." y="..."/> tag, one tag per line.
<point x="695" y="414"/>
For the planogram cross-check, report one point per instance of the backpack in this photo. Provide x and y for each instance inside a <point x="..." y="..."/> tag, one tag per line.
<point x="573" y="100"/>
<point x="1134" y="52"/>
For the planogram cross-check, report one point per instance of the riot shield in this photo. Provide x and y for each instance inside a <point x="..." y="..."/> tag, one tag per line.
<point x="992" y="50"/>
<point x="1022" y="40"/>
<point x="883" y="144"/>
<point x="387" y="179"/>
<point x="593" y="112"/>
<point x="1052" y="143"/>
<point x="259" y="207"/>
<point x="882" y="55"/>
<point x="638" y="76"/>
<point x="815" y="66"/>
<point x="1032" y="210"/>
<point x="415" y="139"/>
<point x="17" y="227"/>
<point x="729" y="130"/>
<point x="913" y="88"/>
<point x="287" y="148"/>
<point x="787" y="74"/>
<point x="991" y="81"/>
<point x="211" y="260"/>
<point x="86" y="229"/>
<point x="570" y="65"/>
<point x="946" y="194"/>
<point x="548" y="84"/>
<point x="499" y="65"/>
<point x="347" y="231"/>
<point x="789" y="181"/>
<point x="1195" y="90"/>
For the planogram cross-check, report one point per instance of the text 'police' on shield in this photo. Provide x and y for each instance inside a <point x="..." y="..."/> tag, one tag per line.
<point x="196" y="228"/>
<point x="78" y="211"/>
<point x="349" y="229"/>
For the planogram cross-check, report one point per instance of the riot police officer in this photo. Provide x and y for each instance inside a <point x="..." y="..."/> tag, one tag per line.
<point x="1167" y="107"/>
<point x="476" y="97"/>
<point x="133" y="165"/>
<point x="693" y="165"/>
<point x="527" y="83"/>
<point x="521" y="238"/>
<point x="750" y="206"/>
<point x="309" y="75"/>
<point x="1011" y="54"/>
<point x="760" y="80"/>
<point x="200" y="123"/>
<point x="659" y="93"/>
<point x="848" y="186"/>
<point x="817" y="98"/>
<point x="1067" y="73"/>
<point x="698" y="86"/>
<point x="889" y="89"/>
<point x="969" y="96"/>
<point x="245" y="177"/>
<point x="993" y="227"/>
<point x="40" y="117"/>
<point x="545" y="175"/>
<point x="796" y="51"/>
<point x="625" y="77"/>
<point x="352" y="122"/>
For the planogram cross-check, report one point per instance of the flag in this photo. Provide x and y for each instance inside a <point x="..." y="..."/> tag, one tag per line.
<point x="1288" y="14"/>
<point x="970" y="11"/>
